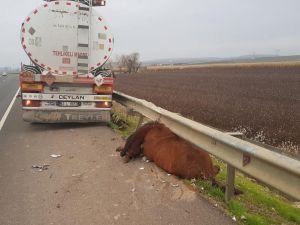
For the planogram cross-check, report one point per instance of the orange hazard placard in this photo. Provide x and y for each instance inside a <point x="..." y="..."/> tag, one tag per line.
<point x="49" y="79"/>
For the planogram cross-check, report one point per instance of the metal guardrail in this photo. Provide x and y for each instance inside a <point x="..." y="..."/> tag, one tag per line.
<point x="274" y="169"/>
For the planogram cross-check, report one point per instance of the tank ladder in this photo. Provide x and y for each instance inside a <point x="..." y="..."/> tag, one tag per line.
<point x="83" y="37"/>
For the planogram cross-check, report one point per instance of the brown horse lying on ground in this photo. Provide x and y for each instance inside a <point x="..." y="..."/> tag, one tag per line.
<point x="169" y="152"/>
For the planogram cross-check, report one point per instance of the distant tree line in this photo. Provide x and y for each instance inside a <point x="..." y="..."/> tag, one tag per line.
<point x="131" y="62"/>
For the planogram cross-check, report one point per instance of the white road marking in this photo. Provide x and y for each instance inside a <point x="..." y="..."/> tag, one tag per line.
<point x="8" y="110"/>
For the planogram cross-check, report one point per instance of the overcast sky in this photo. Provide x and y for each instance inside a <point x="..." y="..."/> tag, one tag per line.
<point x="179" y="28"/>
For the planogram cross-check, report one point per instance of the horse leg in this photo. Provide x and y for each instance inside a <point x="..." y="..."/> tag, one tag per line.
<point x="121" y="149"/>
<point x="126" y="158"/>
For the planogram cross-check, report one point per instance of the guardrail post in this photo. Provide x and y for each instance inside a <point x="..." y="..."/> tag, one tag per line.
<point x="131" y="112"/>
<point x="128" y="113"/>
<point x="229" y="192"/>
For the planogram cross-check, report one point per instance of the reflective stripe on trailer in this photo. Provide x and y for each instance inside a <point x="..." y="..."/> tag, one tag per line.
<point x="65" y="116"/>
<point x="66" y="97"/>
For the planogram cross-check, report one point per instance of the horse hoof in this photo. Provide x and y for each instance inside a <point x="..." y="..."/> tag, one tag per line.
<point x="126" y="159"/>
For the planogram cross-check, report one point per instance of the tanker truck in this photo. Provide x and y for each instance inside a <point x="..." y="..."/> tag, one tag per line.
<point x="68" y="44"/>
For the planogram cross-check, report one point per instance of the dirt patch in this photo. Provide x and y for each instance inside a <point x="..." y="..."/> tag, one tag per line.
<point x="262" y="101"/>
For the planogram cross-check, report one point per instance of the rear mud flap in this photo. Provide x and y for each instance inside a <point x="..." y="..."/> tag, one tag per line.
<point x="39" y="116"/>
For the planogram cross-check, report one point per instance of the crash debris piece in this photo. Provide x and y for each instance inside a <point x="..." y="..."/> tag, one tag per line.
<point x="117" y="217"/>
<point x="41" y="167"/>
<point x="76" y="175"/>
<point x="56" y="156"/>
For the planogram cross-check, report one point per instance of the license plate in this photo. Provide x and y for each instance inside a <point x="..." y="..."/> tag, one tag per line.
<point x="69" y="104"/>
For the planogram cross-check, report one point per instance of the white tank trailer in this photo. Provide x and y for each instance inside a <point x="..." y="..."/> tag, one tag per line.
<point x="68" y="43"/>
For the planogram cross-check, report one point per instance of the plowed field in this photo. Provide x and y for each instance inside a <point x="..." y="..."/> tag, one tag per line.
<point x="262" y="101"/>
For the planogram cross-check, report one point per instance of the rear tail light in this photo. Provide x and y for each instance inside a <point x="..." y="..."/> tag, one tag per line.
<point x="99" y="2"/>
<point x="31" y="103"/>
<point x="31" y="86"/>
<point x="103" y="104"/>
<point x="103" y="89"/>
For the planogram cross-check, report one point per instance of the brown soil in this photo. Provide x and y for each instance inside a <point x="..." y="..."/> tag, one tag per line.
<point x="256" y="98"/>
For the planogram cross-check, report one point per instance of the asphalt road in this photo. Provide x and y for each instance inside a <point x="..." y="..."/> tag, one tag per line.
<point x="88" y="184"/>
<point x="8" y="87"/>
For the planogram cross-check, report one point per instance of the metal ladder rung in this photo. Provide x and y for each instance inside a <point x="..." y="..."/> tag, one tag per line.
<point x="83" y="27"/>
<point x="82" y="57"/>
<point x="84" y="8"/>
<point x="83" y="65"/>
<point x="83" y="45"/>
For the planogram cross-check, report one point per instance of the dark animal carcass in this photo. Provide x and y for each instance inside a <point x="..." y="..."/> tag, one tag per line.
<point x="169" y="152"/>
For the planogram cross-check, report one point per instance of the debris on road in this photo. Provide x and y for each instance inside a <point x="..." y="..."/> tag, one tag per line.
<point x="142" y="168"/>
<point x="41" y="168"/>
<point x="56" y="156"/>
<point x="297" y="205"/>
<point x="117" y="217"/>
<point x="145" y="159"/>
<point x="133" y="190"/>
<point x="76" y="175"/>
<point x="175" y="185"/>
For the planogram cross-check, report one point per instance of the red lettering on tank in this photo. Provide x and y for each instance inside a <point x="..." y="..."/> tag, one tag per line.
<point x="69" y="54"/>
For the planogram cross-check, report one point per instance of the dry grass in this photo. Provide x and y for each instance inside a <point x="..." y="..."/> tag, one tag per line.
<point x="222" y="65"/>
